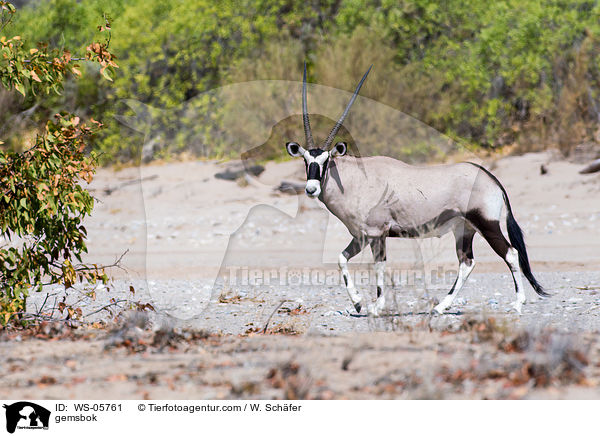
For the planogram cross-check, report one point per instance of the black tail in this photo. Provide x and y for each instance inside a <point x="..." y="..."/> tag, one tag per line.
<point x="515" y="234"/>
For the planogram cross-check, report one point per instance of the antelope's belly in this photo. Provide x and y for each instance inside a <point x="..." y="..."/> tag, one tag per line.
<point x="430" y="229"/>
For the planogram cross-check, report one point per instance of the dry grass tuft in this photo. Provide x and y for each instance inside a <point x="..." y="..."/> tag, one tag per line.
<point x="292" y="380"/>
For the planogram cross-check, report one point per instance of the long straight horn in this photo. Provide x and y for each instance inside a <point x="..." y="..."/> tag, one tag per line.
<point x="345" y="114"/>
<point x="307" y="132"/>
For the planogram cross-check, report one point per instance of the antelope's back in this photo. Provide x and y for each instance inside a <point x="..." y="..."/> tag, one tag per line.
<point x="411" y="194"/>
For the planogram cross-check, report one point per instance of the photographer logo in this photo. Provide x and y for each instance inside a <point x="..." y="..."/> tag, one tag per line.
<point x="25" y="415"/>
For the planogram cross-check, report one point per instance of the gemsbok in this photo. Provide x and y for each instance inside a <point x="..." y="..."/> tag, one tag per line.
<point x="379" y="197"/>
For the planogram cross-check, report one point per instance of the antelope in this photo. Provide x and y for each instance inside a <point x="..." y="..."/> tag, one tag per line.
<point x="379" y="197"/>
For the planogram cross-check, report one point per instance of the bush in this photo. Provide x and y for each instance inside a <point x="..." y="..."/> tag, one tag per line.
<point x="42" y="200"/>
<point x="487" y="74"/>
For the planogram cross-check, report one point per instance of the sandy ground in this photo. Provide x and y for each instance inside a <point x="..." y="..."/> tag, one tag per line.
<point x="184" y="229"/>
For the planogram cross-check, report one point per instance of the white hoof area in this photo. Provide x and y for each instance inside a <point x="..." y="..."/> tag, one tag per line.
<point x="372" y="310"/>
<point x="517" y="306"/>
<point x="439" y="309"/>
<point x="356" y="300"/>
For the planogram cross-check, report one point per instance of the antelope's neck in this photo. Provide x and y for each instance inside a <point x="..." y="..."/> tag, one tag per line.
<point x="332" y="188"/>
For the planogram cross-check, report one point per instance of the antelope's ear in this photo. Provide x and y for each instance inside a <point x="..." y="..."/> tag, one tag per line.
<point x="294" y="149"/>
<point x="338" y="149"/>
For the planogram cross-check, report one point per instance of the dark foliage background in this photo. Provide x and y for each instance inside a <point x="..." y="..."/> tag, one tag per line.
<point x="488" y="74"/>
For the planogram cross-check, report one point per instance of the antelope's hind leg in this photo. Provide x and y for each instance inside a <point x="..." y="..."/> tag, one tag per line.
<point x="464" y="251"/>
<point x="512" y="260"/>
<point x="379" y="255"/>
<point x="351" y="250"/>
<point x="492" y="233"/>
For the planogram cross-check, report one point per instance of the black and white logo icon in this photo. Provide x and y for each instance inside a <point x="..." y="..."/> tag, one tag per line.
<point x="26" y="415"/>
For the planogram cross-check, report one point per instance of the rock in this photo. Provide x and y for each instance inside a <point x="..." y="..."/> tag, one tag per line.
<point x="593" y="167"/>
<point x="237" y="171"/>
<point x="292" y="188"/>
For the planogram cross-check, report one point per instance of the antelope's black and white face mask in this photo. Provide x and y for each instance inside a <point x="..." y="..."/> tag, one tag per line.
<point x="316" y="162"/>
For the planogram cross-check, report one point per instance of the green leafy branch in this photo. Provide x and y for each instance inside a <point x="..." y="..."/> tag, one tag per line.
<point x="43" y="201"/>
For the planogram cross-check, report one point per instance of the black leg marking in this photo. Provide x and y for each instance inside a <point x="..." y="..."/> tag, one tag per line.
<point x="378" y="249"/>
<point x="464" y="249"/>
<point x="491" y="231"/>
<point x="464" y="252"/>
<point x="353" y="248"/>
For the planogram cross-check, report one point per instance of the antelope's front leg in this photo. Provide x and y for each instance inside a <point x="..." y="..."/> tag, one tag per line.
<point x="351" y="250"/>
<point x="378" y="249"/>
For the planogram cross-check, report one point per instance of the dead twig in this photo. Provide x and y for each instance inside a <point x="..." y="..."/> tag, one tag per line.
<point x="109" y="190"/>
<point x="114" y="303"/>
<point x="116" y="264"/>
<point x="281" y="303"/>
<point x="39" y="312"/>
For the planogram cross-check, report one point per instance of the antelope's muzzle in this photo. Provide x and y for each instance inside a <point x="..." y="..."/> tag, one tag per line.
<point x="313" y="188"/>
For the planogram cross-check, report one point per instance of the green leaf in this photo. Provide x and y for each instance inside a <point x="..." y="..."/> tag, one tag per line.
<point x="20" y="87"/>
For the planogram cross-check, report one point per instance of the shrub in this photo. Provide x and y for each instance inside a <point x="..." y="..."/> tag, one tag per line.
<point x="42" y="200"/>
